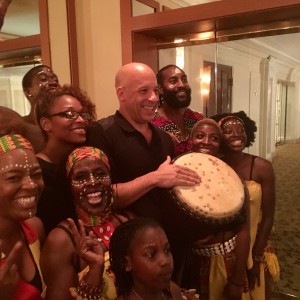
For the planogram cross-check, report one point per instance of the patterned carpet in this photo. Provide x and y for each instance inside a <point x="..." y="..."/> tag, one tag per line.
<point x="286" y="237"/>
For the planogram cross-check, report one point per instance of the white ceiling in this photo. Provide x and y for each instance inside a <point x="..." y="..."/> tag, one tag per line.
<point x="283" y="47"/>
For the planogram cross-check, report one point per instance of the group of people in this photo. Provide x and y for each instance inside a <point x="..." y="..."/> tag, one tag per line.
<point x="94" y="196"/>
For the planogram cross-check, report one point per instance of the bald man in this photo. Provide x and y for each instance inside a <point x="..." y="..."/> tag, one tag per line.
<point x="139" y="153"/>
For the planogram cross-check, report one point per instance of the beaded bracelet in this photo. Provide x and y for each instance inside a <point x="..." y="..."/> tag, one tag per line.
<point x="258" y="258"/>
<point x="87" y="291"/>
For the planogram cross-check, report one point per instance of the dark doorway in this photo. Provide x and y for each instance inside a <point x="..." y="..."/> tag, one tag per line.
<point x="219" y="99"/>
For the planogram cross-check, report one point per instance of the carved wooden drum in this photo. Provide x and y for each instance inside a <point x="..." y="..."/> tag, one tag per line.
<point x="218" y="199"/>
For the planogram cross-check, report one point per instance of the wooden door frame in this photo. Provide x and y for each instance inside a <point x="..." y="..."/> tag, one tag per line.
<point x="213" y="99"/>
<point x="221" y="16"/>
<point x="42" y="39"/>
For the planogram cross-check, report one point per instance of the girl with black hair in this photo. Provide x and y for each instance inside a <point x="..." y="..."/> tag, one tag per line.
<point x="142" y="262"/>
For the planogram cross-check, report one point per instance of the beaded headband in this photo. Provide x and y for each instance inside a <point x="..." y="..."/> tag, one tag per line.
<point x="230" y="120"/>
<point x="13" y="141"/>
<point x="85" y="152"/>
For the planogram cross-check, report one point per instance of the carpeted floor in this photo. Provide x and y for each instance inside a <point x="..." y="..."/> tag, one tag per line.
<point x="286" y="237"/>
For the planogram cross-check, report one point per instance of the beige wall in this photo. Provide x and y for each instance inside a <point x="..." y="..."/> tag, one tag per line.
<point x="99" y="51"/>
<point x="59" y="39"/>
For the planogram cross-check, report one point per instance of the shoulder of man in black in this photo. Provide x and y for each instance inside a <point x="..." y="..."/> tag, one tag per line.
<point x="166" y="138"/>
<point x="96" y="133"/>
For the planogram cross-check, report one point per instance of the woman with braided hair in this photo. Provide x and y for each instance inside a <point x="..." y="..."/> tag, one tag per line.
<point x="69" y="251"/>
<point x="21" y="184"/>
<point x="258" y="174"/>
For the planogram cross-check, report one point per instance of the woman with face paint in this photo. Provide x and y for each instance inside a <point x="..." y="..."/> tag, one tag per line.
<point x="216" y="264"/>
<point x="258" y="174"/>
<point x="84" y="250"/>
<point x="21" y="184"/>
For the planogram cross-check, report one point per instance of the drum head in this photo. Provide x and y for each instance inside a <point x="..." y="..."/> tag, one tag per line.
<point x="219" y="197"/>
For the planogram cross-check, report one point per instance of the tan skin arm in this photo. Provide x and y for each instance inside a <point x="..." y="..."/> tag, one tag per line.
<point x="57" y="264"/>
<point x="264" y="174"/>
<point x="234" y="287"/>
<point x="166" y="176"/>
<point x="267" y="181"/>
<point x="38" y="226"/>
<point x="58" y="254"/>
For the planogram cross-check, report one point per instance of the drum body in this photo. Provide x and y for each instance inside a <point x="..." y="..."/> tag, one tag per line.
<point x="212" y="205"/>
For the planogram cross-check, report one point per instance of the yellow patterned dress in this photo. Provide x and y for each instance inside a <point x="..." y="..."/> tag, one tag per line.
<point x="270" y="259"/>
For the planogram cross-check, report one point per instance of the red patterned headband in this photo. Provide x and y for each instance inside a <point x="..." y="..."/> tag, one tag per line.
<point x="84" y="152"/>
<point x="13" y="141"/>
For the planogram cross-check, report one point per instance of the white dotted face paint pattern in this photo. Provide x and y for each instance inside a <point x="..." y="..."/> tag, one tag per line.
<point x="25" y="166"/>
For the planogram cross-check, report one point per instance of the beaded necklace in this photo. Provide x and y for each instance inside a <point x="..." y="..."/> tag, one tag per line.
<point x="101" y="225"/>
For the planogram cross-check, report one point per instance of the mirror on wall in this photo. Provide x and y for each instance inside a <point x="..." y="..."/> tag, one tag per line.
<point x="164" y="5"/>
<point x="262" y="77"/>
<point x="21" y="19"/>
<point x="141" y="7"/>
<point x="259" y="75"/>
<point x="11" y="91"/>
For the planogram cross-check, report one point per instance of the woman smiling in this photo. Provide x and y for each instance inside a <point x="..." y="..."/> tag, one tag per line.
<point x="63" y="115"/>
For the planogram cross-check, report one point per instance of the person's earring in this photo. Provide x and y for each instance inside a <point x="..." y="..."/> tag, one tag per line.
<point x="161" y="99"/>
<point x="29" y="95"/>
<point x="127" y="264"/>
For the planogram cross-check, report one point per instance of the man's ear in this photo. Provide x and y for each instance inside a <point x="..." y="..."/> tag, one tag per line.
<point x="120" y="93"/>
<point x="128" y="266"/>
<point x="45" y="124"/>
<point x="160" y="89"/>
<point x="27" y="93"/>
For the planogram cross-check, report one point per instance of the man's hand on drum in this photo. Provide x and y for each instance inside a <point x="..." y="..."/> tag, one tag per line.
<point x="170" y="175"/>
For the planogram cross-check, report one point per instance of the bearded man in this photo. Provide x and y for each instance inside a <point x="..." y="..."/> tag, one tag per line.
<point x="173" y="114"/>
